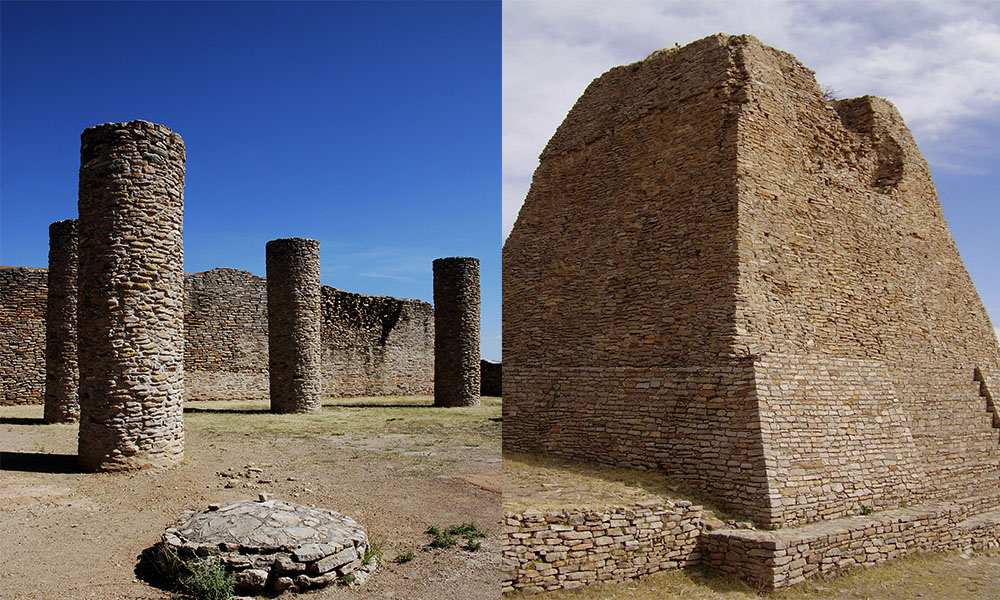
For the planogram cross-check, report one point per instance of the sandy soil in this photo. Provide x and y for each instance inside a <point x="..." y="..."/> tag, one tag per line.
<point x="68" y="535"/>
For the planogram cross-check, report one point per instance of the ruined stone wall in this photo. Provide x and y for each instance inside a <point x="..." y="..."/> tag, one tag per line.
<point x="707" y="211"/>
<point x="23" y="293"/>
<point x="575" y="547"/>
<point x="225" y="335"/>
<point x="371" y="345"/>
<point x="376" y="345"/>
<point x="776" y="559"/>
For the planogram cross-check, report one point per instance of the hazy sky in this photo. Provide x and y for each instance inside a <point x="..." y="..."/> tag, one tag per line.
<point x="939" y="62"/>
<point x="373" y="127"/>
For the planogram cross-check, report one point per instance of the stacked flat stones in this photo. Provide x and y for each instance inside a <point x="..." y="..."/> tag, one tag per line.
<point x="61" y="372"/>
<point x="456" y="332"/>
<point x="275" y="546"/>
<point x="294" y="318"/>
<point x="131" y="297"/>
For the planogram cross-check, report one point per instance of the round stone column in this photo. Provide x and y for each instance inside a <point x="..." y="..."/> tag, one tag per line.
<point x="131" y="297"/>
<point x="62" y="377"/>
<point x="456" y="332"/>
<point x="294" y="317"/>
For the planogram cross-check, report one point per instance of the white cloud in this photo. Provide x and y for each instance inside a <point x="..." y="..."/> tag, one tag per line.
<point x="939" y="62"/>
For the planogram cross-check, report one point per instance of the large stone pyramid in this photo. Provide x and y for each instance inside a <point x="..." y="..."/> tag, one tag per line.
<point x="720" y="274"/>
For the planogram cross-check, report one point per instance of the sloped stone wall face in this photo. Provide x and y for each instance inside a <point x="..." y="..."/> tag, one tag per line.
<point x="707" y="211"/>
<point x="845" y="256"/>
<point x="131" y="296"/>
<point x="575" y="547"/>
<point x="294" y="318"/>
<point x="698" y="424"/>
<point x="23" y="298"/>
<point x="62" y="375"/>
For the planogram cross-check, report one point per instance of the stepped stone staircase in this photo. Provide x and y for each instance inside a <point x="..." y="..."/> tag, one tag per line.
<point x="984" y="392"/>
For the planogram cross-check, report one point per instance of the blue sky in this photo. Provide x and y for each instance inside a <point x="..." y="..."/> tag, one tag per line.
<point x="373" y="127"/>
<point x="939" y="62"/>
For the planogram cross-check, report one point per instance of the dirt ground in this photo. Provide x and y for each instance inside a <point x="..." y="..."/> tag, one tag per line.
<point x="396" y="465"/>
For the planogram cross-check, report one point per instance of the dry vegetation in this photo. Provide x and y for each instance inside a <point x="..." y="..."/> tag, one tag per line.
<point x="397" y="465"/>
<point x="551" y="483"/>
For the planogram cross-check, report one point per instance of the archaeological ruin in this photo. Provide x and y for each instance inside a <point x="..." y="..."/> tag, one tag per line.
<point x="23" y="298"/>
<point x="721" y="275"/>
<point x="130" y="313"/>
<point x="294" y="316"/>
<point x="371" y="345"/>
<point x="456" y="332"/>
<point x="61" y="372"/>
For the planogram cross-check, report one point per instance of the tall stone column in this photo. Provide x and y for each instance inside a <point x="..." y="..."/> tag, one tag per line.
<point x="62" y="376"/>
<point x="294" y="317"/>
<point x="456" y="332"/>
<point x="131" y="297"/>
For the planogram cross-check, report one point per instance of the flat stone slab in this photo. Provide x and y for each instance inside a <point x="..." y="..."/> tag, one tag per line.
<point x="275" y="545"/>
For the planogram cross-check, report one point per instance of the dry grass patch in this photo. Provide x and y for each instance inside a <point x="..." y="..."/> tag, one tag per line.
<point x="360" y="417"/>
<point x="548" y="483"/>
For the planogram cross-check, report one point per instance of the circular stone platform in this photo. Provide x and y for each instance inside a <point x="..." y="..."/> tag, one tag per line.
<point x="276" y="545"/>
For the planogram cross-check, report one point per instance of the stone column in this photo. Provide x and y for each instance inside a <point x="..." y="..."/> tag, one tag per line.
<point x="131" y="297"/>
<point x="294" y="317"/>
<point x="62" y="376"/>
<point x="456" y="332"/>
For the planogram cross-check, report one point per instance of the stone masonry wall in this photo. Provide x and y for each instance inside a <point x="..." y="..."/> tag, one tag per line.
<point x="575" y="547"/>
<point x="23" y="298"/>
<point x="705" y="211"/>
<point x="376" y="345"/>
<point x="131" y="297"/>
<point x="225" y="335"/>
<point x="372" y="345"/>
<point x="62" y="375"/>
<point x="775" y="559"/>
<point x="845" y="256"/>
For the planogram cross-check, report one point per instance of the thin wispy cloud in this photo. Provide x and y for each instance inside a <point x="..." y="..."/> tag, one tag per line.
<point x="938" y="62"/>
<point x="378" y="262"/>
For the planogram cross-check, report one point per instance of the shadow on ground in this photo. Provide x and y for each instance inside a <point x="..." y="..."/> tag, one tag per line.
<point x="227" y="411"/>
<point x="21" y="421"/>
<point x="36" y="462"/>
<point x="158" y="568"/>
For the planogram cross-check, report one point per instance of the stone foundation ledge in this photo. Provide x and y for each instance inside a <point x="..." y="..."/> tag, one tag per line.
<point x="575" y="547"/>
<point x="775" y="559"/>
